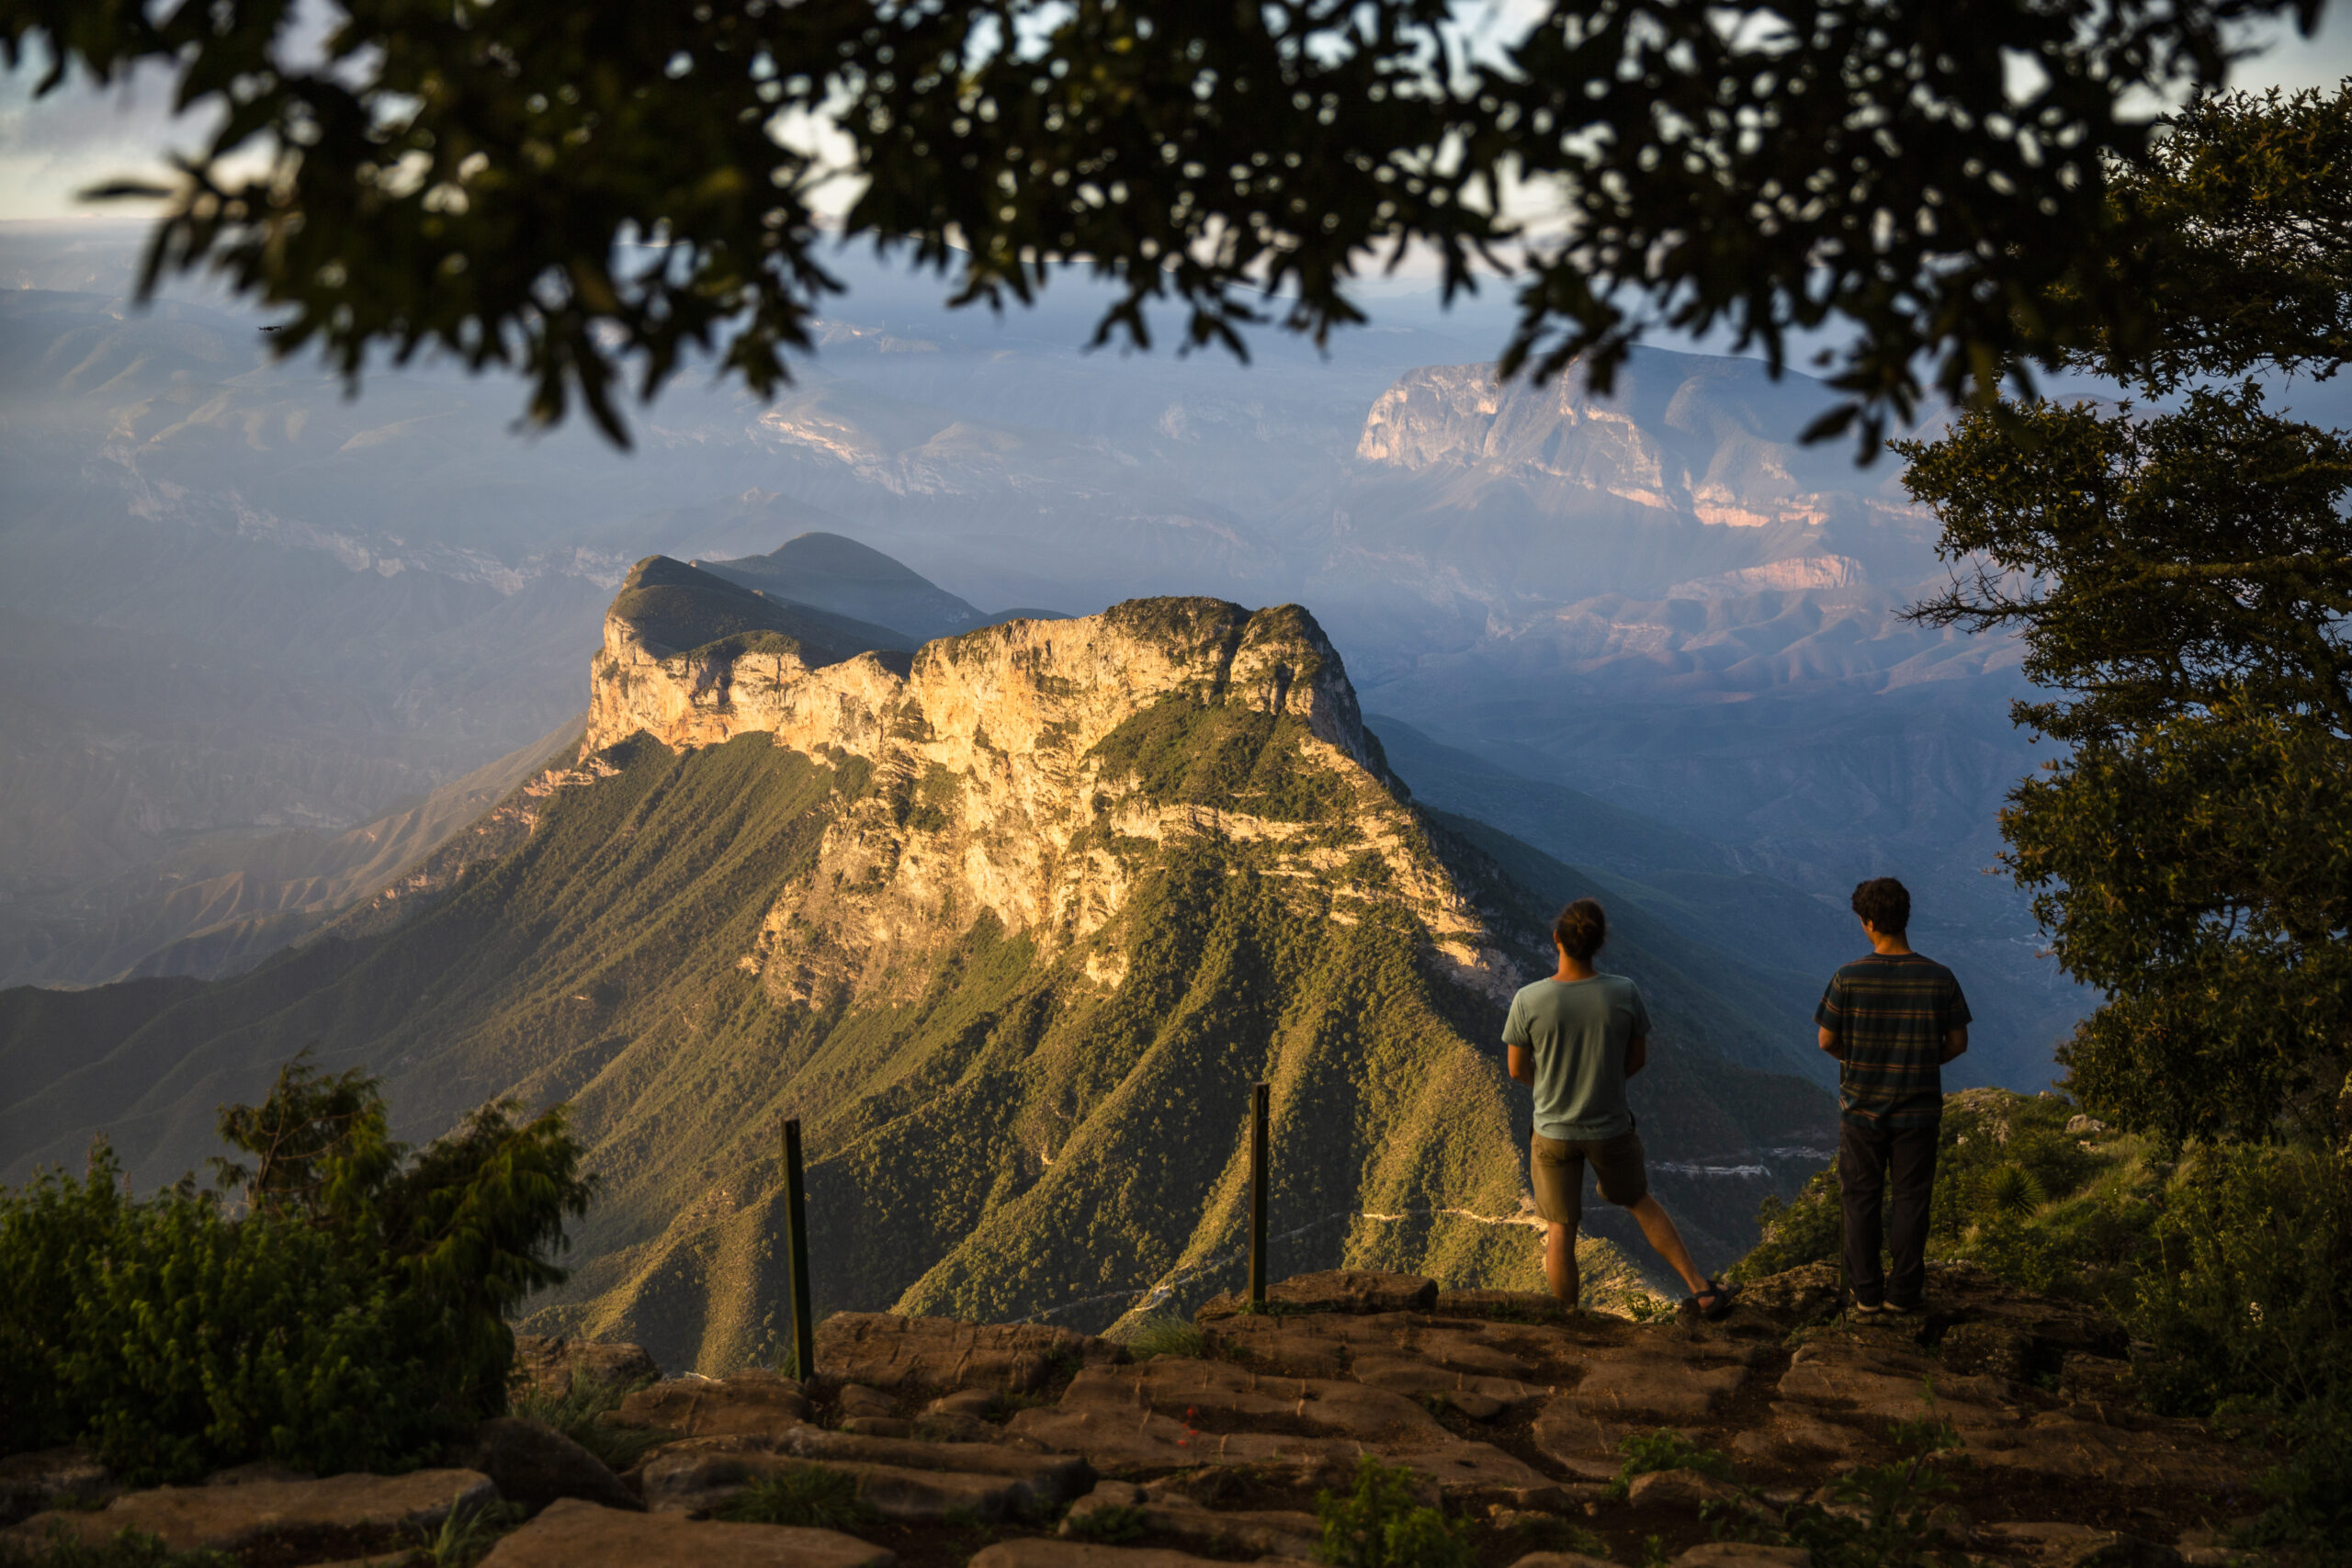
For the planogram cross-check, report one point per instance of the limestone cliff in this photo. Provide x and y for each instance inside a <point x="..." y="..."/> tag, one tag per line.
<point x="996" y="793"/>
<point x="1681" y="450"/>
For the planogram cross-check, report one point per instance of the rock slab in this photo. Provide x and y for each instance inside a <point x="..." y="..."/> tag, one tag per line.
<point x="573" y="1534"/>
<point x="533" y="1465"/>
<point x="884" y="1350"/>
<point x="226" y="1518"/>
<point x="1042" y="1553"/>
<point x="548" y="1365"/>
<point x="747" y="1404"/>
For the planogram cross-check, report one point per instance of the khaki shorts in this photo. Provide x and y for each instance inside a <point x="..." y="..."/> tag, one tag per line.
<point x="1556" y="1170"/>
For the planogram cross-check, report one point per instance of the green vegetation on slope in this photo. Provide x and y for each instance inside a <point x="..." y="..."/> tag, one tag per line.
<point x="351" y="1317"/>
<point x="2229" y="1264"/>
<point x="1179" y="753"/>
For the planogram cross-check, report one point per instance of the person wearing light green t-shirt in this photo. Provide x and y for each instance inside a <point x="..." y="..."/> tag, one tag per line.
<point x="1574" y="1039"/>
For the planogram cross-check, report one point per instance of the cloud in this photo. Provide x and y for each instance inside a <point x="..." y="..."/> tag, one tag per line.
<point x="53" y="148"/>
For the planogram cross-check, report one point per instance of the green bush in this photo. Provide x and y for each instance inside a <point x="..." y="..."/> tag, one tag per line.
<point x="2246" y="1304"/>
<point x="1802" y="1230"/>
<point x="346" y="1315"/>
<point x="2248" y="1294"/>
<point x="1382" y="1523"/>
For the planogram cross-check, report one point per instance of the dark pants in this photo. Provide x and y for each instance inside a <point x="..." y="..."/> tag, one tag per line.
<point x="1868" y="1162"/>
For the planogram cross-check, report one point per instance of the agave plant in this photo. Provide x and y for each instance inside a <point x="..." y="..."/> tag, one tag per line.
<point x="2008" y="1190"/>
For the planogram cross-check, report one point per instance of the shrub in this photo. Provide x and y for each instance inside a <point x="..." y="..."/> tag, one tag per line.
<point x="1382" y="1523"/>
<point x="2248" y="1296"/>
<point x="2247" y="1304"/>
<point x="347" y="1319"/>
<point x="2008" y="1191"/>
<point x="1802" y="1230"/>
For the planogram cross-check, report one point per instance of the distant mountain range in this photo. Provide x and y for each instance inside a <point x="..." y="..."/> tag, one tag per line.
<point x="235" y="606"/>
<point x="1011" y="921"/>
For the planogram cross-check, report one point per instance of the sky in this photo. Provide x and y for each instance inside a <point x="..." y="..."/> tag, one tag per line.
<point x="54" y="148"/>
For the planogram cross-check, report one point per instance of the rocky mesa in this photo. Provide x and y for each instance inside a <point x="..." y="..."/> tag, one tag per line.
<point x="993" y="790"/>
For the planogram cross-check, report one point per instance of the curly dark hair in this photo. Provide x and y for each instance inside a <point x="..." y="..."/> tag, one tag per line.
<point x="1582" y="927"/>
<point x="1886" y="904"/>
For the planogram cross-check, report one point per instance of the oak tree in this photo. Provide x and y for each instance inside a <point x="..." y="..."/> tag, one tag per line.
<point x="2181" y="578"/>
<point x="569" y="189"/>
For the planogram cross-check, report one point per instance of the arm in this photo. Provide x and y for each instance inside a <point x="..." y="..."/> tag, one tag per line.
<point x="1638" y="1054"/>
<point x="1955" y="1041"/>
<point x="1830" y="1043"/>
<point x="1522" y="1064"/>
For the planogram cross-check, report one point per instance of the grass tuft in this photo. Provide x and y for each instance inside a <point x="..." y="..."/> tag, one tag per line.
<point x="1165" y="1334"/>
<point x="809" y="1495"/>
<point x="578" y="1413"/>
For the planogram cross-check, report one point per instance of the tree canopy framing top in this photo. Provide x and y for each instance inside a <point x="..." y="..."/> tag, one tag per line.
<point x="469" y="175"/>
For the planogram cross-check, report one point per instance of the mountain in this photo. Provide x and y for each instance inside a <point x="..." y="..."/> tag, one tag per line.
<point x="234" y="602"/>
<point x="1012" y="923"/>
<point x="826" y="569"/>
<point x="223" y="901"/>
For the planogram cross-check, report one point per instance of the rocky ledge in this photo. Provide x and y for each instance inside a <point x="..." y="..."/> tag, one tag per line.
<point x="1020" y="1446"/>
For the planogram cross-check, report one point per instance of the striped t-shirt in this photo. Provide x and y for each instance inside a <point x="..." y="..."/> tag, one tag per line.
<point x="1891" y="1012"/>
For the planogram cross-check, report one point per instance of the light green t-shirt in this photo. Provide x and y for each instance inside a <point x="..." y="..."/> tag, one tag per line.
<point x="1578" y="1030"/>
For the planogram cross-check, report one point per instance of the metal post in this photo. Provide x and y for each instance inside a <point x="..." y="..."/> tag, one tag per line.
<point x="1257" y="1195"/>
<point x="795" y="1210"/>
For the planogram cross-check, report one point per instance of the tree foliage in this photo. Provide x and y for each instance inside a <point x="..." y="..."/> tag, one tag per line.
<point x="2181" y="581"/>
<point x="566" y="188"/>
<point x="347" y="1318"/>
<point x="2241" y="228"/>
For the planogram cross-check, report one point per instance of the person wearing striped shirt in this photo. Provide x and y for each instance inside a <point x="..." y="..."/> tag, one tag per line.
<point x="1892" y="1020"/>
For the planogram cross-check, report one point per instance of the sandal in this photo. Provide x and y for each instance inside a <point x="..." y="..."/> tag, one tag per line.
<point x="1714" y="1301"/>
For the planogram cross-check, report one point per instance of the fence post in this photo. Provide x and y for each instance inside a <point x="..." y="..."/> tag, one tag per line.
<point x="1257" y="1195"/>
<point x="795" y="1210"/>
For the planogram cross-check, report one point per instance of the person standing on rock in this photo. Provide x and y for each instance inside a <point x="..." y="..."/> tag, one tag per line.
<point x="1892" y="1020"/>
<point x="1574" y="1039"/>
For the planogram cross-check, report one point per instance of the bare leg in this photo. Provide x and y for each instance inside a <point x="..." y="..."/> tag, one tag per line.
<point x="1659" y="1226"/>
<point x="1560" y="1261"/>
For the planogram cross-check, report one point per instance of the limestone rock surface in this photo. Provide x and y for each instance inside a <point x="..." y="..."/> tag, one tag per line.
<point x="533" y="1465"/>
<point x="46" y="1478"/>
<point x="753" y="1404"/>
<point x="226" y="1518"/>
<point x="582" y="1535"/>
<point x="884" y="1350"/>
<point x="546" y="1364"/>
